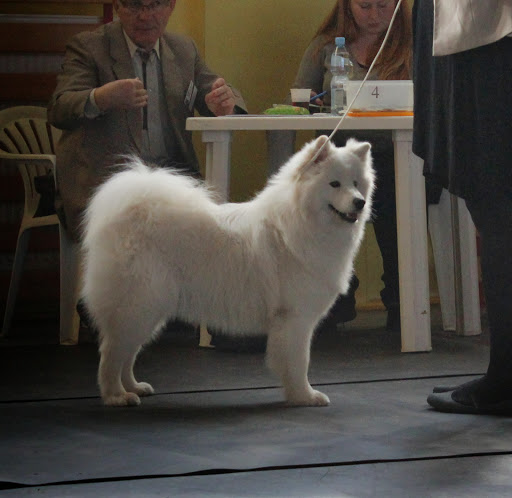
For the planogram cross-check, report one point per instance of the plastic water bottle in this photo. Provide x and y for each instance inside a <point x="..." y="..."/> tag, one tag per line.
<point x="341" y="69"/>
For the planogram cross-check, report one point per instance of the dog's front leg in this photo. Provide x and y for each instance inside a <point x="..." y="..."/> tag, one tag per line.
<point x="288" y="354"/>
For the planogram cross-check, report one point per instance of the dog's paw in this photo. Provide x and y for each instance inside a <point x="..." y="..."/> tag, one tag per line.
<point x="125" y="399"/>
<point x="312" y="398"/>
<point x="142" y="389"/>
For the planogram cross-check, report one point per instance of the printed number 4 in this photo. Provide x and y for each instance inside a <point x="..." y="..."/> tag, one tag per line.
<point x="375" y="92"/>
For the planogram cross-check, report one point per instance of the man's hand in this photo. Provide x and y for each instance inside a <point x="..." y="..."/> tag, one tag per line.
<point x="220" y="100"/>
<point x="121" y="94"/>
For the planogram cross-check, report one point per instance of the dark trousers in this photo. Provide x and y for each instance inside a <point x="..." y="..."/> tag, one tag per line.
<point x="493" y="219"/>
<point x="384" y="223"/>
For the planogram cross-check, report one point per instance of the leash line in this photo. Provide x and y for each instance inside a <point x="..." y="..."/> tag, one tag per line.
<point x="318" y="152"/>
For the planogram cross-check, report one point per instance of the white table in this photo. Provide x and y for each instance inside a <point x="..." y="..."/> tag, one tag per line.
<point x="410" y="192"/>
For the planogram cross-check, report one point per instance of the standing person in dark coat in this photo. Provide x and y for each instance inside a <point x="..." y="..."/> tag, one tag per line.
<point x="463" y="131"/>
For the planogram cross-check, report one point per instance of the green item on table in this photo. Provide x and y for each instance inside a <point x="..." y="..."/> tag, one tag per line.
<point x="286" y="109"/>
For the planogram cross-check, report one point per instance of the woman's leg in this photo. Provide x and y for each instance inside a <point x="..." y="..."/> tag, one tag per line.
<point x="385" y="227"/>
<point x="492" y="393"/>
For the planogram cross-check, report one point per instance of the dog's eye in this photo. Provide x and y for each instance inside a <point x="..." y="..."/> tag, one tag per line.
<point x="335" y="184"/>
<point x="355" y="184"/>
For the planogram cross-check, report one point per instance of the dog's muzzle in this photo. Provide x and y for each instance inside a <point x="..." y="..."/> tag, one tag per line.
<point x="352" y="216"/>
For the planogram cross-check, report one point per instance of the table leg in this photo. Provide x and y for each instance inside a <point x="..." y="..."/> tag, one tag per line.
<point x="469" y="264"/>
<point x="280" y="147"/>
<point x="218" y="165"/>
<point x="441" y="235"/>
<point x="218" y="160"/>
<point x="412" y="246"/>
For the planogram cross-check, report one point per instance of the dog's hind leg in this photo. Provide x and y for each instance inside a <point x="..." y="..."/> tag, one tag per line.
<point x="288" y="354"/>
<point x="118" y="352"/>
<point x="130" y="383"/>
<point x="109" y="377"/>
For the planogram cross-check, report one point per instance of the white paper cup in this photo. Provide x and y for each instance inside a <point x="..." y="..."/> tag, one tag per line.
<point x="301" y="96"/>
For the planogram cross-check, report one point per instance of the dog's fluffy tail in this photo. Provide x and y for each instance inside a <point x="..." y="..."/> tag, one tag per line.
<point x="138" y="183"/>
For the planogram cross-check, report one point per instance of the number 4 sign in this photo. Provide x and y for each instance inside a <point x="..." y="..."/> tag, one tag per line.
<point x="379" y="95"/>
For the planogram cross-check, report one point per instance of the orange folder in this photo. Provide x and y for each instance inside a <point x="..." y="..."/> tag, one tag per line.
<point x="377" y="114"/>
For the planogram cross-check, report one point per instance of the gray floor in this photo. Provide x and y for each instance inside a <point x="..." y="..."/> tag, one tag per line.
<point x="218" y="425"/>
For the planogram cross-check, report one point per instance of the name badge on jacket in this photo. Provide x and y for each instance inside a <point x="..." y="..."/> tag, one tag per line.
<point x="190" y="98"/>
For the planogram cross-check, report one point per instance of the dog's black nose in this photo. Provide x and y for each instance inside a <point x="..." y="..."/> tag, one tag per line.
<point x="359" y="204"/>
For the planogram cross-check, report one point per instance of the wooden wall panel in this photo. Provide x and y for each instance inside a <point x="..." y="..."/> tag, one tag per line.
<point x="39" y="38"/>
<point x="27" y="87"/>
<point x="21" y="39"/>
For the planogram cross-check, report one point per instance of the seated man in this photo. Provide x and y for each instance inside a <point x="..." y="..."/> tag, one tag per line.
<point x="128" y="87"/>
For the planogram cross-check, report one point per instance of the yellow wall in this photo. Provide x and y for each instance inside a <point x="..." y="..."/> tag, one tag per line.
<point x="188" y="17"/>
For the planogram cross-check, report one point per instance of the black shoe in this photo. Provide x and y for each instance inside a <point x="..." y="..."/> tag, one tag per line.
<point x="238" y="344"/>
<point x="447" y="389"/>
<point x="393" y="323"/>
<point x="347" y="310"/>
<point x="449" y="403"/>
<point x="344" y="308"/>
<point x="85" y="319"/>
<point x="88" y="331"/>
<point x="478" y="396"/>
<point x="443" y="389"/>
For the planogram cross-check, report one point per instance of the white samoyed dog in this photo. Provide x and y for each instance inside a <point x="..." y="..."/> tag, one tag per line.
<point x="157" y="246"/>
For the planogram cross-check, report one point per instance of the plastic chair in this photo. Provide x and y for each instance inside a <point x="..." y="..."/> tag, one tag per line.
<point x="440" y="221"/>
<point x="28" y="141"/>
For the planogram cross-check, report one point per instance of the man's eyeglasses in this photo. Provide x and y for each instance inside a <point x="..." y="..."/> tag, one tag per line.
<point x="153" y="7"/>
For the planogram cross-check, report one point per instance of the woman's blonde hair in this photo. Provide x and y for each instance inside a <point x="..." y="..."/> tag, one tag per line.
<point x="395" y="61"/>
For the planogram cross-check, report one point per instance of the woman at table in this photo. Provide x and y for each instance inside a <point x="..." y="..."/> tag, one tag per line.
<point x="363" y="23"/>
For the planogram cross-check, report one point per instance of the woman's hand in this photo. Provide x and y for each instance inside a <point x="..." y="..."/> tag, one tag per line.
<point x="318" y="101"/>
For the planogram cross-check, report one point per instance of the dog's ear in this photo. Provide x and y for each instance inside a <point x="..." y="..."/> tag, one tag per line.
<point x="318" y="151"/>
<point x="360" y="149"/>
<point x="321" y="149"/>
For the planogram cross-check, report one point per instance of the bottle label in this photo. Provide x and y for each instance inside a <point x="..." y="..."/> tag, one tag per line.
<point x="337" y="61"/>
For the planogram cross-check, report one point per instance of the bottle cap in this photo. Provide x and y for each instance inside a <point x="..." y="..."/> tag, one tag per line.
<point x="339" y="41"/>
